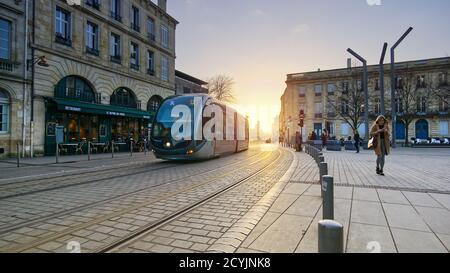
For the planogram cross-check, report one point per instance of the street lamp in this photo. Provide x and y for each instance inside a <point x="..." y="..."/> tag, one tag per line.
<point x="365" y="86"/>
<point x="41" y="61"/>
<point x="393" y="87"/>
<point x="383" y="55"/>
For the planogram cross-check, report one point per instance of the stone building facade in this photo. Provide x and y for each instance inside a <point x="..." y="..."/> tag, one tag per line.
<point x="15" y="79"/>
<point x="187" y="84"/>
<point x="109" y="64"/>
<point x="311" y="92"/>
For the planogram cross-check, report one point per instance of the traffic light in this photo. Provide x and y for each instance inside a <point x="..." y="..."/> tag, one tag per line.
<point x="301" y="123"/>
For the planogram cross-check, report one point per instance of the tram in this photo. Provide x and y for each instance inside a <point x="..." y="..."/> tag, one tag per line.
<point x="219" y="130"/>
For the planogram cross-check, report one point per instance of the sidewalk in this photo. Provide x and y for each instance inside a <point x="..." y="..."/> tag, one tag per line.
<point x="45" y="166"/>
<point x="377" y="220"/>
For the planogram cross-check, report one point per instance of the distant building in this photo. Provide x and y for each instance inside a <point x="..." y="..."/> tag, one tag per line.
<point x="311" y="91"/>
<point x="187" y="84"/>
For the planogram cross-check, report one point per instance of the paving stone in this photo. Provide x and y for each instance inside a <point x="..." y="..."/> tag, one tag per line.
<point x="361" y="237"/>
<point x="368" y="213"/>
<point x="404" y="217"/>
<point x="409" y="241"/>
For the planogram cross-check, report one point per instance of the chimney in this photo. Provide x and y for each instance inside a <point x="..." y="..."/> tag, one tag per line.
<point x="162" y="4"/>
<point x="349" y="63"/>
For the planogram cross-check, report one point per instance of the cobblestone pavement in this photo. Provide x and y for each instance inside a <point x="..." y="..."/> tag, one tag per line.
<point x="213" y="225"/>
<point x="99" y="212"/>
<point x="406" y="169"/>
<point x="375" y="218"/>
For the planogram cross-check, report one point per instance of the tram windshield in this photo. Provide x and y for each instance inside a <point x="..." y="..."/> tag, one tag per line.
<point x="164" y="120"/>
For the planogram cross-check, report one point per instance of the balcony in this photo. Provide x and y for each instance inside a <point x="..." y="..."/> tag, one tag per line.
<point x="318" y="115"/>
<point x="318" y="94"/>
<point x="64" y="40"/>
<point x="92" y="51"/>
<point x="116" y="16"/>
<point x="80" y="94"/>
<point x="116" y="59"/>
<point x="135" y="27"/>
<point x="151" y="71"/>
<point x="93" y="3"/>
<point x="6" y="65"/>
<point x="152" y="37"/>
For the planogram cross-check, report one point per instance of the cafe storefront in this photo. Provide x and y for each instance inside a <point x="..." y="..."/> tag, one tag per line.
<point x="79" y="112"/>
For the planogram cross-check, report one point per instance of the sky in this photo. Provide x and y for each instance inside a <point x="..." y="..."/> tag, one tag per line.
<point x="259" y="42"/>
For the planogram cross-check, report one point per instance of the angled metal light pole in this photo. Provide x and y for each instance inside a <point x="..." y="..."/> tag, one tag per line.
<point x="393" y="87"/>
<point x="383" y="55"/>
<point x="365" y="87"/>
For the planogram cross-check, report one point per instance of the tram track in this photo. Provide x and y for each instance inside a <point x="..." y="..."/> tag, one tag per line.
<point x="116" y="246"/>
<point x="5" y="230"/>
<point x="98" y="177"/>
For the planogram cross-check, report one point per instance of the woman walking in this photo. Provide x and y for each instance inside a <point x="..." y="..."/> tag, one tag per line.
<point x="380" y="131"/>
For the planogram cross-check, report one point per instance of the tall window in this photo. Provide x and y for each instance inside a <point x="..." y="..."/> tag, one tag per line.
<point x="345" y="129"/>
<point x="399" y="105"/>
<point x="4" y="112"/>
<point x="93" y="3"/>
<point x="377" y="106"/>
<point x="443" y="104"/>
<point x="5" y="39"/>
<point x="421" y="81"/>
<point x="302" y="91"/>
<point x="318" y="90"/>
<point x="135" y="25"/>
<point x="359" y="85"/>
<point x="164" y="68"/>
<point x="164" y="36"/>
<point x="399" y="82"/>
<point x="114" y="48"/>
<point x="377" y="84"/>
<point x="150" y="62"/>
<point x="344" y="107"/>
<point x="124" y="97"/>
<point x="422" y="105"/>
<point x="115" y="10"/>
<point x="154" y="103"/>
<point x="134" y="56"/>
<point x="75" y="88"/>
<point x="62" y="26"/>
<point x="318" y="109"/>
<point x="345" y="86"/>
<point x="151" y="29"/>
<point x="330" y="89"/>
<point x="92" y="38"/>
<point x="443" y="79"/>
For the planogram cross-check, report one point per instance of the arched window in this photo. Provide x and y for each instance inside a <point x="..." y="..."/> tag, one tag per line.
<point x="154" y="103"/>
<point x="73" y="87"/>
<point x="4" y="111"/>
<point x="124" y="97"/>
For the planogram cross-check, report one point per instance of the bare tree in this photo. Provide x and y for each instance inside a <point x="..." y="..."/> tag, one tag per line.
<point x="348" y="100"/>
<point x="221" y="88"/>
<point x="441" y="90"/>
<point x="412" y="97"/>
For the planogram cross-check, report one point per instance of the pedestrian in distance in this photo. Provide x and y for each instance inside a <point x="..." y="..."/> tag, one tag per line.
<point x="324" y="139"/>
<point x="381" y="139"/>
<point x="357" y="141"/>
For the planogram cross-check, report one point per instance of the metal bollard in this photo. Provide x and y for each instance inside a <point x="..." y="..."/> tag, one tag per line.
<point x="331" y="237"/>
<point x="112" y="149"/>
<point x="323" y="170"/>
<point x="18" y="155"/>
<point x="131" y="148"/>
<point x="328" y="197"/>
<point x="57" y="153"/>
<point x="145" y="147"/>
<point x="89" y="151"/>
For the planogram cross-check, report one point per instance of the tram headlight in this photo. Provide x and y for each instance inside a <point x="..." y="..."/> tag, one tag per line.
<point x="190" y="152"/>
<point x="168" y="145"/>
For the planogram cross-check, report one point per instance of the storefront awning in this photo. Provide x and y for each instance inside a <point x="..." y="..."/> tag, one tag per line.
<point x="100" y="109"/>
